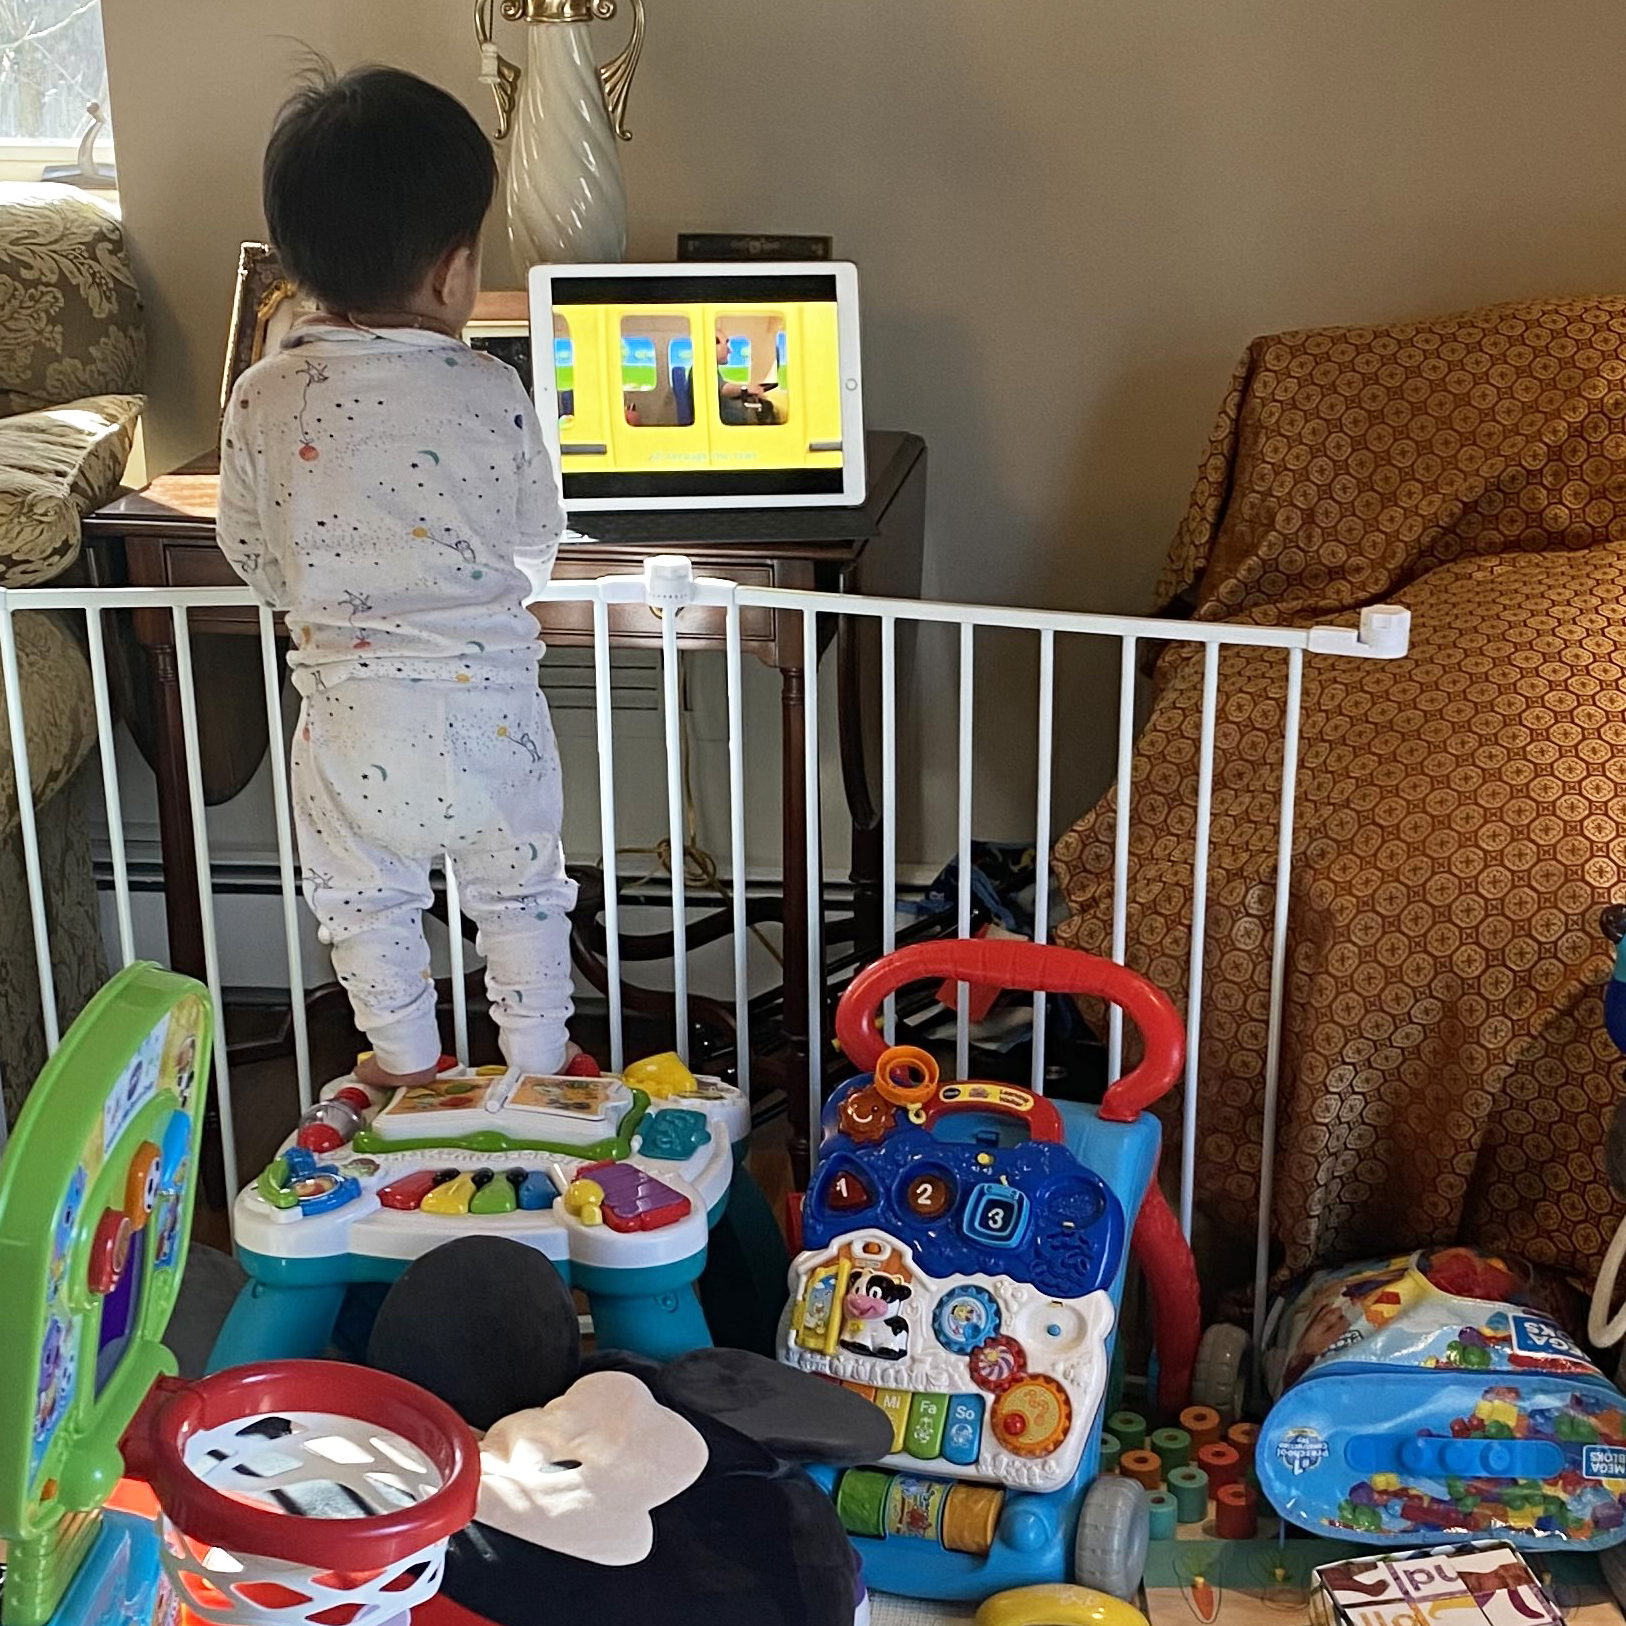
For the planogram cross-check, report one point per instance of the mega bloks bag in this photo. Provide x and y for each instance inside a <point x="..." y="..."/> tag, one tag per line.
<point x="1435" y="1395"/>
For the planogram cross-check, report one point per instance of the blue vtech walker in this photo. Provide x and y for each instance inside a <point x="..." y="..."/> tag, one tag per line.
<point x="964" y="1251"/>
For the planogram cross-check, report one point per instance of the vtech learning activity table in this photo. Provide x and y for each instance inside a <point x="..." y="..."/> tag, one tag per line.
<point x="616" y="1180"/>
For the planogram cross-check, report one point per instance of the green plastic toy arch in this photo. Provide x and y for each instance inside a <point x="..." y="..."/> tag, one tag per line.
<point x="110" y="1131"/>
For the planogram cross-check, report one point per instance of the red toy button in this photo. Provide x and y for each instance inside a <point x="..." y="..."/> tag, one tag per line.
<point x="409" y="1191"/>
<point x="109" y="1252"/>
<point x="847" y="1192"/>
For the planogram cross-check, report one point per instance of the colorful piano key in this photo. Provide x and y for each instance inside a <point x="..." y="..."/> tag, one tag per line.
<point x="409" y="1191"/>
<point x="962" y="1435"/>
<point x="895" y="1403"/>
<point x="928" y="1413"/>
<point x="451" y="1198"/>
<point x="495" y="1196"/>
<point x="537" y="1191"/>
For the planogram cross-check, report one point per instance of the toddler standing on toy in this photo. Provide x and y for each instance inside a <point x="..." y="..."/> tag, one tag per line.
<point x="387" y="488"/>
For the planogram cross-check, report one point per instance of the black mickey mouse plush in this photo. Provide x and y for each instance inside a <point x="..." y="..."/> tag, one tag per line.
<point x="487" y="1324"/>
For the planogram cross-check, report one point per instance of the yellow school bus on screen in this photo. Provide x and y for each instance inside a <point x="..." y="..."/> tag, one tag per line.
<point x="697" y="388"/>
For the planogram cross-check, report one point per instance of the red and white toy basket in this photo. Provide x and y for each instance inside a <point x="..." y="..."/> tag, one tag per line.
<point x="309" y="1493"/>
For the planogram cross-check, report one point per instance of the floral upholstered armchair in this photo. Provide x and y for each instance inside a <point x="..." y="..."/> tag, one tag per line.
<point x="72" y="354"/>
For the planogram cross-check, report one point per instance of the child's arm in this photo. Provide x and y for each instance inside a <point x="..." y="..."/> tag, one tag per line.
<point x="238" y="528"/>
<point x="541" y="519"/>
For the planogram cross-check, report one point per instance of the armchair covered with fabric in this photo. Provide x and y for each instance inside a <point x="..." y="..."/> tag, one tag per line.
<point x="72" y="354"/>
<point x="1461" y="813"/>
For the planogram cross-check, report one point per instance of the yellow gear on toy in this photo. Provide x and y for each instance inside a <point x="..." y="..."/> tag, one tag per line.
<point x="585" y="1199"/>
<point x="1056" y="1604"/>
<point x="660" y="1076"/>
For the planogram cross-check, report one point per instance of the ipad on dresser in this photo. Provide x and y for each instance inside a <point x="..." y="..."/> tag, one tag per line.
<point x="700" y="386"/>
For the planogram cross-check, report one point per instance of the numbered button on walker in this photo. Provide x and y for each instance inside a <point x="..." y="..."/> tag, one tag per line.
<point x="929" y="1194"/>
<point x="997" y="1216"/>
<point x="847" y="1192"/>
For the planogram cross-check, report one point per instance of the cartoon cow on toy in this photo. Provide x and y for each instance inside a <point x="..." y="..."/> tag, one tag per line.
<point x="872" y="1326"/>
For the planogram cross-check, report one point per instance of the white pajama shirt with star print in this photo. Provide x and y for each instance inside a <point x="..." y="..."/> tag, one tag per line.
<point x="390" y="494"/>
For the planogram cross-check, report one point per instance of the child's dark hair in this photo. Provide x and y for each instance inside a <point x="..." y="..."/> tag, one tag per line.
<point x="370" y="178"/>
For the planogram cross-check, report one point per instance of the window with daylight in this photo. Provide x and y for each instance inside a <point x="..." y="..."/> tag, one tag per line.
<point x="52" y="67"/>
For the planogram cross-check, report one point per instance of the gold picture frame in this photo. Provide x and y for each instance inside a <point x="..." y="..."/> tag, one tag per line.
<point x="267" y="301"/>
<point x="263" y="308"/>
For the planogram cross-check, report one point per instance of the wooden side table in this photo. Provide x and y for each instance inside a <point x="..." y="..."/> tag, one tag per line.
<point x="164" y="536"/>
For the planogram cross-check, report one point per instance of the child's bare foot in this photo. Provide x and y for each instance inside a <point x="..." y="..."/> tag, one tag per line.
<point x="368" y="1071"/>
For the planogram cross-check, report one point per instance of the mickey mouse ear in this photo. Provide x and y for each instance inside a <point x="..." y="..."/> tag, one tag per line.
<point x="484" y="1323"/>
<point x="795" y="1415"/>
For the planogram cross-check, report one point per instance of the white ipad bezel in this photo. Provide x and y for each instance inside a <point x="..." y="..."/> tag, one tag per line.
<point x="853" y="488"/>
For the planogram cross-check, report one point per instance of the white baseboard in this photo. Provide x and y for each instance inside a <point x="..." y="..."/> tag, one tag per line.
<point x="250" y="934"/>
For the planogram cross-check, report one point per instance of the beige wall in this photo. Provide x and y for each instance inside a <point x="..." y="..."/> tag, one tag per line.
<point x="1069" y="216"/>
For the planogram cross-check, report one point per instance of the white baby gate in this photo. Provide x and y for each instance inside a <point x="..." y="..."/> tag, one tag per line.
<point x="667" y="586"/>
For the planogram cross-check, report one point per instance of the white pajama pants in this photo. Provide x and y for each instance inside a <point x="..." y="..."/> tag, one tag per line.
<point x="387" y="776"/>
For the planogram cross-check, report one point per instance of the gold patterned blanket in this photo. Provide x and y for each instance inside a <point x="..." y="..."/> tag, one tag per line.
<point x="1461" y="813"/>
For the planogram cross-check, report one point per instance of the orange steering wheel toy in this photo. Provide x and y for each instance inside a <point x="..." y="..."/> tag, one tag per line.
<point x="965" y="1245"/>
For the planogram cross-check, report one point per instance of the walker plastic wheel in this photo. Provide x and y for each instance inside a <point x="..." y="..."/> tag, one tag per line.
<point x="1220" y="1378"/>
<point x="298" y="1493"/>
<point x="1109" y="1550"/>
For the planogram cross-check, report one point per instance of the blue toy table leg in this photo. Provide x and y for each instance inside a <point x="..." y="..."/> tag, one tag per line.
<point x="650" y="1312"/>
<point x="278" y="1323"/>
<point x="743" y="1287"/>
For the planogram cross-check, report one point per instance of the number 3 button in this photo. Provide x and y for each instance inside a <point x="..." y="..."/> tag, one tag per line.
<point x="997" y="1216"/>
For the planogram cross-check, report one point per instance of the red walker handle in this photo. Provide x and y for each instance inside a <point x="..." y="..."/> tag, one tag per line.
<point x="1041" y="968"/>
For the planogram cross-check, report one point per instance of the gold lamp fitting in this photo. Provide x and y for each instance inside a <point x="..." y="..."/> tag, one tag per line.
<point x="503" y="76"/>
<point x="557" y="11"/>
